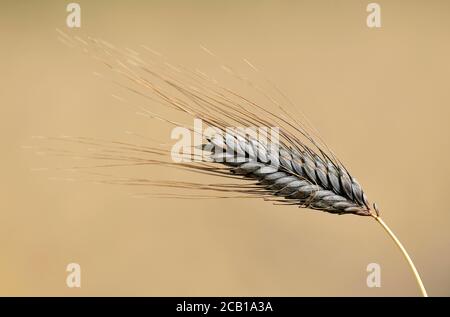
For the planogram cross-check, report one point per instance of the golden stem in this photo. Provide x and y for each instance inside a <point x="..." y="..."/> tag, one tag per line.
<point x="405" y="254"/>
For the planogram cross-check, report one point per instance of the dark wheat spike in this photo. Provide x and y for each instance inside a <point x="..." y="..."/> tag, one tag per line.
<point x="299" y="176"/>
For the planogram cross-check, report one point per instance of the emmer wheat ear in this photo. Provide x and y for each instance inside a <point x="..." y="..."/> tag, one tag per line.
<point x="300" y="169"/>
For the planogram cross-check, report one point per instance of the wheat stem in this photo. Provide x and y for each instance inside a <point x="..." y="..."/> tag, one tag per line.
<point x="405" y="254"/>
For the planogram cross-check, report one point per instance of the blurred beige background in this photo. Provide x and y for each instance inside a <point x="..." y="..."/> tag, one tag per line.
<point x="379" y="97"/>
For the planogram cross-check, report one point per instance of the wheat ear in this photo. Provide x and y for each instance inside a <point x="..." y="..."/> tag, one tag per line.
<point x="302" y="171"/>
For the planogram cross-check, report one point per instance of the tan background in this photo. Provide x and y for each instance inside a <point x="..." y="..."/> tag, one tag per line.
<point x="380" y="97"/>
